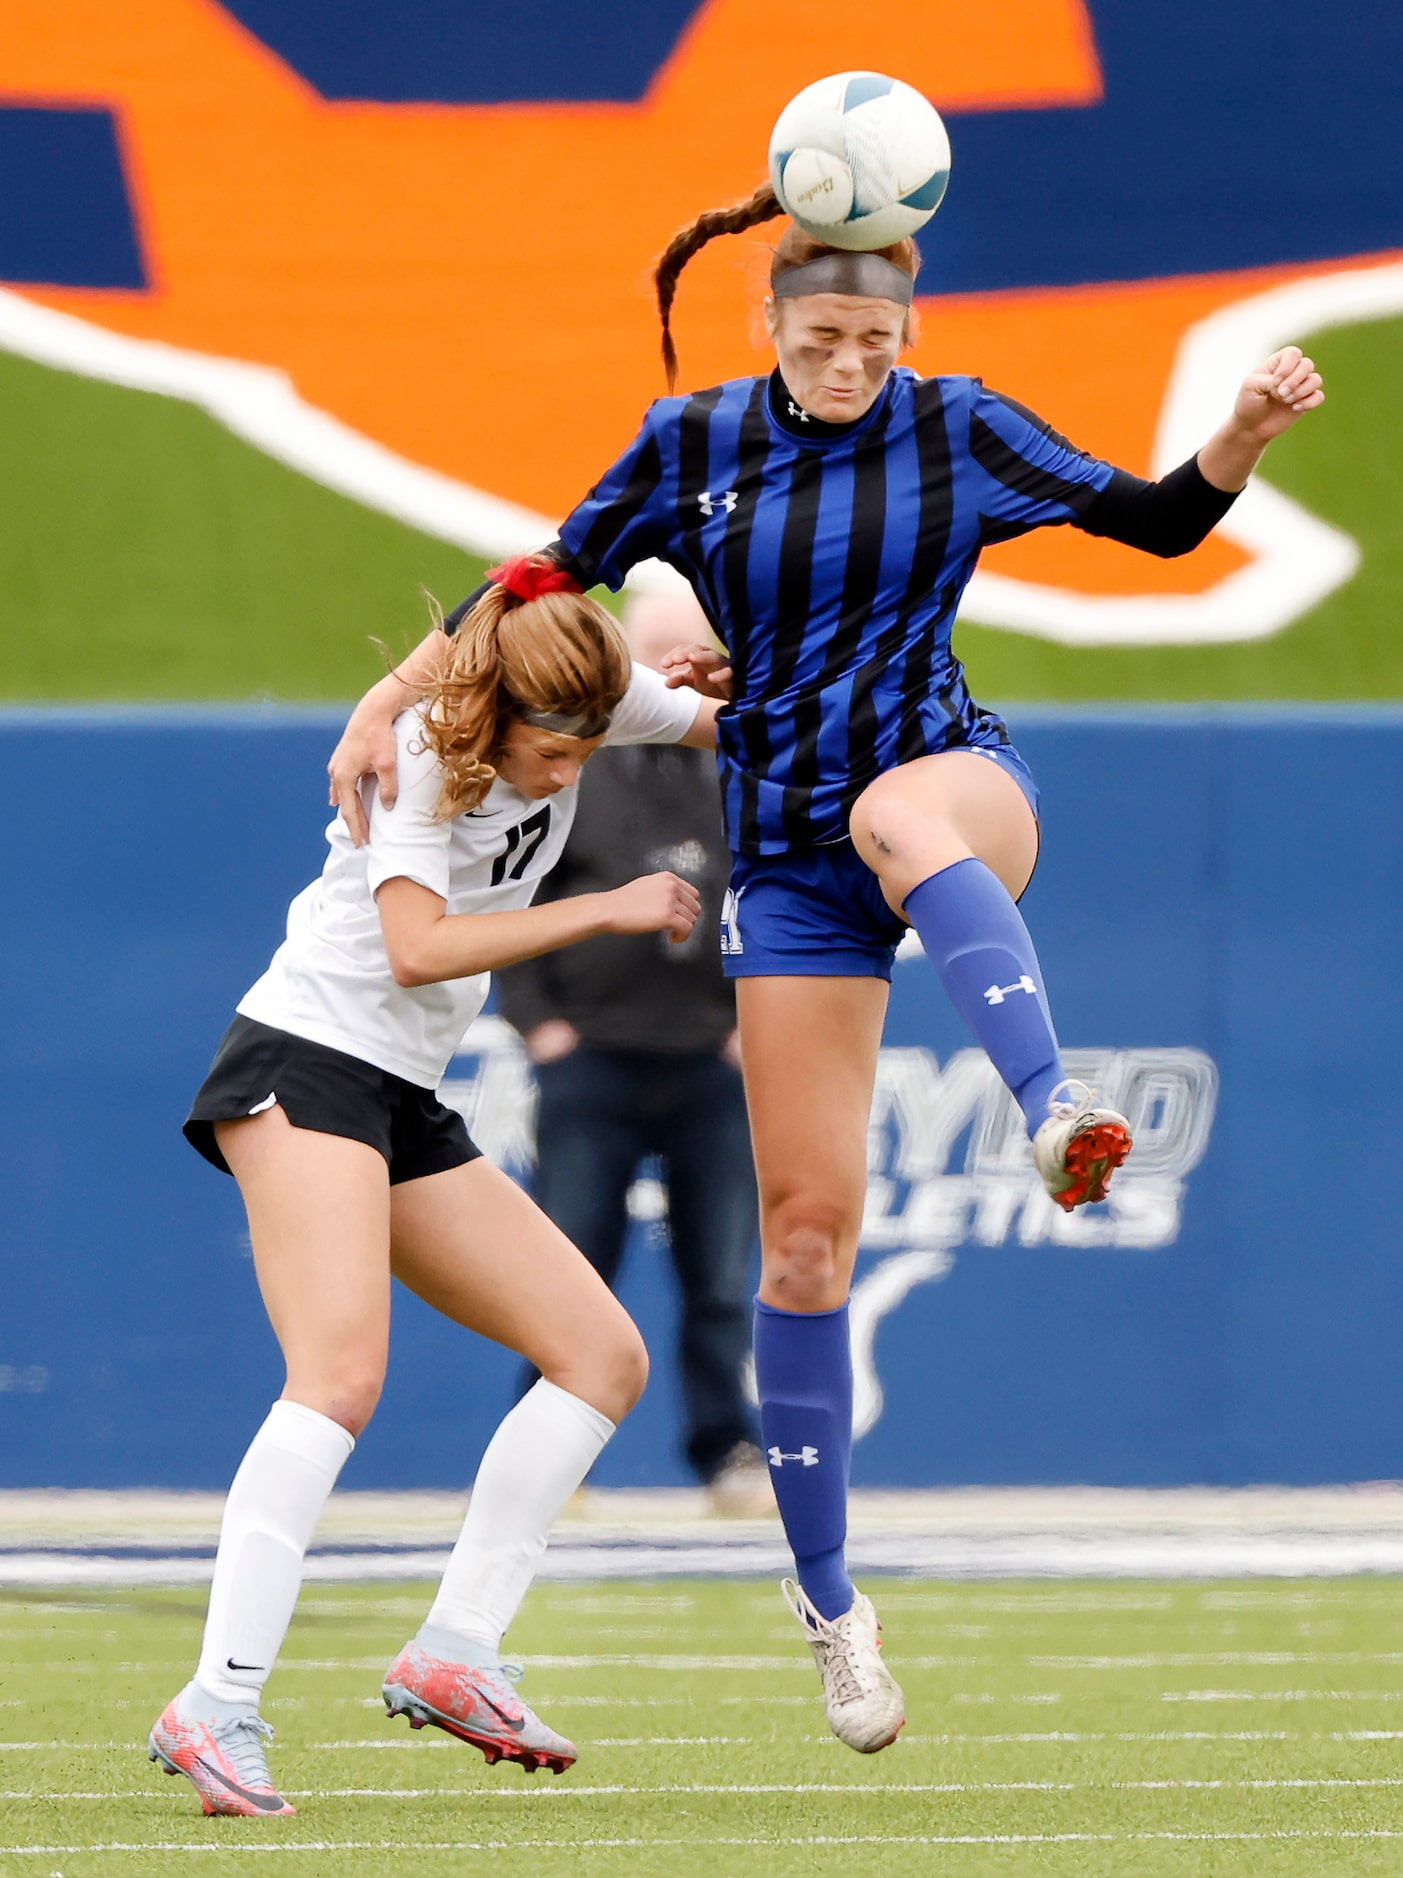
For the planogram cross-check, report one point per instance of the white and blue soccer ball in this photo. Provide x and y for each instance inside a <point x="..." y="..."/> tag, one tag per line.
<point x="859" y="160"/>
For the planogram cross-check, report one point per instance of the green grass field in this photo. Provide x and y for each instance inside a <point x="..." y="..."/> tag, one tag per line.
<point x="147" y="553"/>
<point x="1087" y="1729"/>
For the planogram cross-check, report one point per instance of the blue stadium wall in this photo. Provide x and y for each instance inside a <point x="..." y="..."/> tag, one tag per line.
<point x="1217" y="909"/>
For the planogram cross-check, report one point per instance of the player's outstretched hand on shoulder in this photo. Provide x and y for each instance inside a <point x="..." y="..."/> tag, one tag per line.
<point x="367" y="747"/>
<point x="1281" y="390"/>
<point x="702" y="667"/>
<point x="655" y="903"/>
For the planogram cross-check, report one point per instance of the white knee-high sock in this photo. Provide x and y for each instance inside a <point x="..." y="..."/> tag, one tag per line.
<point x="539" y="1455"/>
<point x="269" y="1518"/>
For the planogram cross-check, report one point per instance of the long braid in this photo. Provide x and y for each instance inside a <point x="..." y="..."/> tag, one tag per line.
<point x="763" y="206"/>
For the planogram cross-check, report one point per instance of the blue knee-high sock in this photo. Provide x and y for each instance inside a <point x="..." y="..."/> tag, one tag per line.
<point x="975" y="938"/>
<point x="804" y="1375"/>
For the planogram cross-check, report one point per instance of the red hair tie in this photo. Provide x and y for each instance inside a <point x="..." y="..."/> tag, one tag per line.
<point x="528" y="576"/>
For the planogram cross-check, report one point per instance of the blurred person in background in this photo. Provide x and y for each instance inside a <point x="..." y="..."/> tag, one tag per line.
<point x="634" y="1044"/>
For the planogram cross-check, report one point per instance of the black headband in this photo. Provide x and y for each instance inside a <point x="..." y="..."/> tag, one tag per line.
<point x="860" y="276"/>
<point x="567" y="723"/>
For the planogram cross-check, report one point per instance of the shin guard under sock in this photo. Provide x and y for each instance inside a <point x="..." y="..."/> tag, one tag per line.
<point x="539" y="1455"/>
<point x="975" y="938"/>
<point x="803" y="1373"/>
<point x="269" y="1518"/>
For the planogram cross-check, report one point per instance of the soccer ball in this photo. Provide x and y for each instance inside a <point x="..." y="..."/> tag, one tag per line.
<point x="859" y="160"/>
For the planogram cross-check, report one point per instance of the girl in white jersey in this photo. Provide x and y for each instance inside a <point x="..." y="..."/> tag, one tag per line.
<point x="321" y="1103"/>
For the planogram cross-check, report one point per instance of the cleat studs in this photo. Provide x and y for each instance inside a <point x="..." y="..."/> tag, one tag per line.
<point x="415" y="1721"/>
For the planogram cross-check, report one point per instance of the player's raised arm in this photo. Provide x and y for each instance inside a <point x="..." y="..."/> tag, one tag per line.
<point x="1172" y="514"/>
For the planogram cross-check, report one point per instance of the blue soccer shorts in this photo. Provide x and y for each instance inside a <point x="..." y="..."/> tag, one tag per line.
<point x="820" y="912"/>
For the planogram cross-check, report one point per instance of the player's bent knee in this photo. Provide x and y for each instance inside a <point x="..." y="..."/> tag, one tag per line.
<point x="610" y="1375"/>
<point x="349" y="1399"/>
<point x="895" y="835"/>
<point x="630" y="1371"/>
<point x="808" y="1255"/>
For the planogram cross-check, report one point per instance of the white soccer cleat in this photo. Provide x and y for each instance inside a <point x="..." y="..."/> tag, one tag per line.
<point x="1079" y="1147"/>
<point x="866" y="1709"/>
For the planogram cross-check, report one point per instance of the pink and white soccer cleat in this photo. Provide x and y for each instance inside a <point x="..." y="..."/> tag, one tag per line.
<point x="223" y="1757"/>
<point x="478" y="1705"/>
<point x="1079" y="1147"/>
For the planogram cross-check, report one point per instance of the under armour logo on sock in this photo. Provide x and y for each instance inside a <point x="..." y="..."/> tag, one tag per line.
<point x="809" y="1457"/>
<point x="997" y="993"/>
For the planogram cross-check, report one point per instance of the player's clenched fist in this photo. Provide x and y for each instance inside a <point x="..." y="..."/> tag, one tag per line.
<point x="1282" y="389"/>
<point x="655" y="903"/>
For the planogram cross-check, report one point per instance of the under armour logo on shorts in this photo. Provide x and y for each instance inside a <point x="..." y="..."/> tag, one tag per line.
<point x="731" y="943"/>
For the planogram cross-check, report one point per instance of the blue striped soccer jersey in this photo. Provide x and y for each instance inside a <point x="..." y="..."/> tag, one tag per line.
<point x="830" y="560"/>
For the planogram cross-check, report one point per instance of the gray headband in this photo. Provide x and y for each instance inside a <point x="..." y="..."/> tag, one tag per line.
<point x="861" y="276"/>
<point x="566" y="723"/>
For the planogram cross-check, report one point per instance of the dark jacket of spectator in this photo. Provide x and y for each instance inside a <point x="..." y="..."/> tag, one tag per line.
<point x="647" y="808"/>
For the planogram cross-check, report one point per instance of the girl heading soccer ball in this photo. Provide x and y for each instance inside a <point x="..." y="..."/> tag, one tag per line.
<point x="829" y="516"/>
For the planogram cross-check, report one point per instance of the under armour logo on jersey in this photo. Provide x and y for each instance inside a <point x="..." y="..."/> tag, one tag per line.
<point x="731" y="944"/>
<point x="797" y="410"/>
<point x="726" y="501"/>
<point x="997" y="993"/>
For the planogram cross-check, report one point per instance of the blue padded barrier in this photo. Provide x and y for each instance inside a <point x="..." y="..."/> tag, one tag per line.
<point x="1217" y="912"/>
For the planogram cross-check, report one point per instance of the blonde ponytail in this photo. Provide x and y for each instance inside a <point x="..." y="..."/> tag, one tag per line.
<point x="558" y="652"/>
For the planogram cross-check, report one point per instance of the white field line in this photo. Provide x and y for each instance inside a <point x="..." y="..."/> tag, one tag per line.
<point x="607" y="1660"/>
<point x="1211" y="1659"/>
<point x="1281" y="1695"/>
<point x="1178" y="1555"/>
<point x="555" y="1794"/>
<point x="730" y="1665"/>
<point x="1060" y="1735"/>
<point x="401" y="1846"/>
<point x="410" y="1743"/>
<point x="562" y="1699"/>
<point x="1297" y="559"/>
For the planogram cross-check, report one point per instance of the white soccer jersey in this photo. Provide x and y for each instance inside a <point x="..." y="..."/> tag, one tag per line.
<point x="330" y="980"/>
